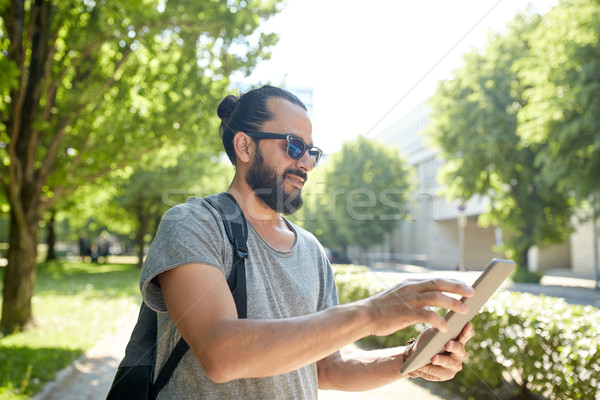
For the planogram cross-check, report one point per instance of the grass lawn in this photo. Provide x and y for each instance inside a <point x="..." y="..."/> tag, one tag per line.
<point x="75" y="304"/>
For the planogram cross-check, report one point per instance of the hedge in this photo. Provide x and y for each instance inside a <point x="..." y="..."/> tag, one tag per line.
<point x="525" y="346"/>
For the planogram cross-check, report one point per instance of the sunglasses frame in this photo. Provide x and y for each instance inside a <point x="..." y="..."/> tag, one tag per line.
<point x="289" y="137"/>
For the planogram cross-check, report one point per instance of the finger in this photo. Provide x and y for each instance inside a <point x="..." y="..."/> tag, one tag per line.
<point x="438" y="285"/>
<point x="448" y="362"/>
<point x="466" y="334"/>
<point x="429" y="317"/>
<point x="423" y="336"/>
<point x="438" y="299"/>
<point x="456" y="350"/>
<point x="436" y="373"/>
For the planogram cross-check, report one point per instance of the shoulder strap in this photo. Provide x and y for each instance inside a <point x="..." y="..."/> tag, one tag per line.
<point x="237" y="232"/>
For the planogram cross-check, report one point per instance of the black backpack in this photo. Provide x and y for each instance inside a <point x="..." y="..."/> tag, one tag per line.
<point x="134" y="379"/>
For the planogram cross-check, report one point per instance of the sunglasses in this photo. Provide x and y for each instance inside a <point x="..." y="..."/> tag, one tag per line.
<point x="296" y="147"/>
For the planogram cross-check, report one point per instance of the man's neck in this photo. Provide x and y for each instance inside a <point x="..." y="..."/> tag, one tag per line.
<point x="268" y="223"/>
<point x="255" y="210"/>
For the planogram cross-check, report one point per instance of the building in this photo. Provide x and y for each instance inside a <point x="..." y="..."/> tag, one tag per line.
<point x="443" y="235"/>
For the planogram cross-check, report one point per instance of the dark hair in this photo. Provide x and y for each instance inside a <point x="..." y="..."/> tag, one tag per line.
<point x="247" y="113"/>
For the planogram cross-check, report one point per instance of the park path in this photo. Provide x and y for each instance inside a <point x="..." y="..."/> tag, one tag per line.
<point x="90" y="377"/>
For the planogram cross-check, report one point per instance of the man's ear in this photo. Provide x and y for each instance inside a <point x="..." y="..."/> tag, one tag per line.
<point x="244" y="147"/>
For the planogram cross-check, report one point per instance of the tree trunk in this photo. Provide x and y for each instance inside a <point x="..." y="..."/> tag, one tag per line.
<point x="25" y="182"/>
<point x="524" y="259"/>
<point x="595" y="252"/>
<point x="51" y="237"/>
<point x="19" y="277"/>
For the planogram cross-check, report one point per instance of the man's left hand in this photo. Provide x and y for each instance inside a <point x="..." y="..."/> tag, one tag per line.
<point x="445" y="366"/>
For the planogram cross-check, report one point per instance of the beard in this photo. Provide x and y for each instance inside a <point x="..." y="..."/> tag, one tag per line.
<point x="268" y="186"/>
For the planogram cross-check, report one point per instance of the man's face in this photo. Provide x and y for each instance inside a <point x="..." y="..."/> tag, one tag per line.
<point x="268" y="186"/>
<point x="274" y="177"/>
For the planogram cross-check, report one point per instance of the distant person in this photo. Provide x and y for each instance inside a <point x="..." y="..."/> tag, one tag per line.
<point x="289" y="346"/>
<point x="85" y="250"/>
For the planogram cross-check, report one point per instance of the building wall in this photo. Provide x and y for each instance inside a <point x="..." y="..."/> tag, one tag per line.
<point x="479" y="243"/>
<point x="582" y="246"/>
<point x="557" y="256"/>
<point x="430" y="236"/>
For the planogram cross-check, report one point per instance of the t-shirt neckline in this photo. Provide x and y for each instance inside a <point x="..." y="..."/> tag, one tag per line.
<point x="271" y="248"/>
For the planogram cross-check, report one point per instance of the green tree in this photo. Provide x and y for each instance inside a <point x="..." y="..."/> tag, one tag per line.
<point x="90" y="87"/>
<point x="474" y="124"/>
<point x="150" y="191"/>
<point x="360" y="195"/>
<point x="134" y="202"/>
<point x="563" y="75"/>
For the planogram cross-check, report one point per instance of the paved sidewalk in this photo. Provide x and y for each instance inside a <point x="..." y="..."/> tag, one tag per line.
<point x="90" y="376"/>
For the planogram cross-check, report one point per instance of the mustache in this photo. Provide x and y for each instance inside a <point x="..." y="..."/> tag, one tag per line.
<point x="297" y="172"/>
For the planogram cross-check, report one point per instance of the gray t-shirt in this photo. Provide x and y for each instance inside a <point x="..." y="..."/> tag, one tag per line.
<point x="280" y="284"/>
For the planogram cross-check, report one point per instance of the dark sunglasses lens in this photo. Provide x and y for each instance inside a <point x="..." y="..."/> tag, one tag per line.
<point x="296" y="149"/>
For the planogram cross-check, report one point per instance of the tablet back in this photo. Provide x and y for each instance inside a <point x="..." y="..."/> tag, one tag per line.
<point x="487" y="283"/>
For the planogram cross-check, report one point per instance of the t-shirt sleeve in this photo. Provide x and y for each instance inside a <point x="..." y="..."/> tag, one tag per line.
<point x="330" y="297"/>
<point x="187" y="233"/>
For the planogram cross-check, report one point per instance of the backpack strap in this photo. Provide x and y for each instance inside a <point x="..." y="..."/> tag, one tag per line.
<point x="167" y="369"/>
<point x="237" y="232"/>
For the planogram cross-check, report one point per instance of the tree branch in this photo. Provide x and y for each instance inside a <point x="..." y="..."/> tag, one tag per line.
<point x="4" y="181"/>
<point x="15" y="53"/>
<point x="62" y="191"/>
<point x="15" y="25"/>
<point x="51" y="87"/>
<point x="50" y="158"/>
<point x="41" y="50"/>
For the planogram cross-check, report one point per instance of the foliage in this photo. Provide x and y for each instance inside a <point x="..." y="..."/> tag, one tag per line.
<point x="135" y="202"/>
<point x="522" y="275"/>
<point x="76" y="305"/>
<point x="524" y="345"/>
<point x="127" y="78"/>
<point x="90" y="88"/>
<point x="474" y="122"/>
<point x="563" y="78"/>
<point x="367" y="186"/>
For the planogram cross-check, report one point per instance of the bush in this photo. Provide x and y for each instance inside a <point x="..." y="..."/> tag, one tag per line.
<point x="523" y="275"/>
<point x="525" y="346"/>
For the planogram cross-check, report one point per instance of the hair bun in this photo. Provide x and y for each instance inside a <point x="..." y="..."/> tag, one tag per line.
<point x="228" y="104"/>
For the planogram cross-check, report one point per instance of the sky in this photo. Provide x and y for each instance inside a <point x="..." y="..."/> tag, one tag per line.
<point x="371" y="61"/>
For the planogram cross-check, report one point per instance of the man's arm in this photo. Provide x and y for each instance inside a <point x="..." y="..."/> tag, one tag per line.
<point x="202" y="307"/>
<point x="353" y="369"/>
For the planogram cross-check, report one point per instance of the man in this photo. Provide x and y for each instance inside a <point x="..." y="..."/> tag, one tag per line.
<point x="289" y="346"/>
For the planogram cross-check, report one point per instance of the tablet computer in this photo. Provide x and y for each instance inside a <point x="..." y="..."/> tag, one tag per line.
<point x="487" y="283"/>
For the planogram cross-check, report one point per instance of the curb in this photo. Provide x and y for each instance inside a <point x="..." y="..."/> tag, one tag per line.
<point x="62" y="377"/>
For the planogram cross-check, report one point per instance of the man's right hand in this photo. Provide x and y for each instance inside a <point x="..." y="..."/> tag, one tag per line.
<point x="408" y="303"/>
